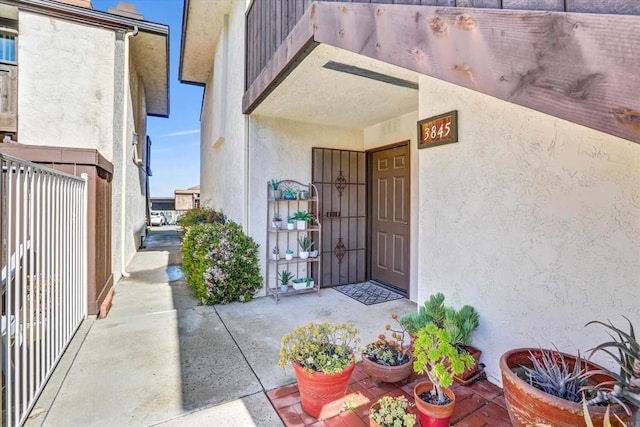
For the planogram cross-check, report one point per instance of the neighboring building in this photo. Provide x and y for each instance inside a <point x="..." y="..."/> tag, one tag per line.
<point x="187" y="199"/>
<point x="77" y="89"/>
<point x="163" y="204"/>
<point x="532" y="216"/>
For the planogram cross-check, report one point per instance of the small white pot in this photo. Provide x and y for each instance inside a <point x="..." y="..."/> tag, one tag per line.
<point x="284" y="288"/>
<point x="290" y="226"/>
<point x="275" y="257"/>
<point x="313" y="254"/>
<point x="301" y="225"/>
<point x="303" y="254"/>
<point x="288" y="257"/>
<point x="277" y="224"/>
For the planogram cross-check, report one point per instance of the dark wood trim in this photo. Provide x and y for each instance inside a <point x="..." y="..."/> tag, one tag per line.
<point x="295" y="47"/>
<point x="58" y="155"/>
<point x="406" y="142"/>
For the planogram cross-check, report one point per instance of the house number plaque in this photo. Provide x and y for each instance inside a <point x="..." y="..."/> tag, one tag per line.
<point x="438" y="130"/>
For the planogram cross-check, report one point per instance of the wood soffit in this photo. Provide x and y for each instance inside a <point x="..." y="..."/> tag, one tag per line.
<point x="579" y="67"/>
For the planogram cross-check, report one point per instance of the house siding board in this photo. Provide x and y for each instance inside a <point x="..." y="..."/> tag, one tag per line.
<point x="550" y="5"/>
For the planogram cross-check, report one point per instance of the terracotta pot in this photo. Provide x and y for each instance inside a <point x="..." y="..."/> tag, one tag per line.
<point x="387" y="374"/>
<point x="470" y="372"/>
<point x="318" y="389"/>
<point x="375" y="406"/>
<point x="529" y="406"/>
<point x="433" y="415"/>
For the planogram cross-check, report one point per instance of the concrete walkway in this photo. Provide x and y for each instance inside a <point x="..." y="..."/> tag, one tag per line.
<point x="160" y="359"/>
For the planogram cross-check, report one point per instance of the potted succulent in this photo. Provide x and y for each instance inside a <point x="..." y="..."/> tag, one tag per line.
<point x="275" y="184"/>
<point x="289" y="194"/>
<point x="284" y="277"/>
<point x="389" y="359"/>
<point x="434" y="354"/>
<point x="322" y="357"/>
<point x="461" y="324"/>
<point x="301" y="218"/>
<point x="303" y="194"/>
<point x="277" y="221"/>
<point x="288" y="255"/>
<point x="290" y="223"/>
<point x="391" y="411"/>
<point x="275" y="253"/>
<point x="547" y="386"/>
<point x="302" y="283"/>
<point x="306" y="243"/>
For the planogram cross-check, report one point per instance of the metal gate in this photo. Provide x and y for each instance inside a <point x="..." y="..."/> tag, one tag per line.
<point x="340" y="177"/>
<point x="44" y="276"/>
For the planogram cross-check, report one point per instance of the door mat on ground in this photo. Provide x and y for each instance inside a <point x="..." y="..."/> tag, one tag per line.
<point x="368" y="293"/>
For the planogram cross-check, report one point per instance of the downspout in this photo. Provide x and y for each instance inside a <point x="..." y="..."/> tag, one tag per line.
<point x="246" y="173"/>
<point x="125" y="114"/>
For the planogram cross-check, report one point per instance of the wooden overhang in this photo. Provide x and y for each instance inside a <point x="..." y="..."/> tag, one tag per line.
<point x="580" y="67"/>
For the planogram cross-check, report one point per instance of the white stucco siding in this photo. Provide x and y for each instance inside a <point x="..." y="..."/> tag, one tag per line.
<point x="281" y="149"/>
<point x="65" y="84"/>
<point x="533" y="220"/>
<point x="400" y="129"/>
<point x="223" y="136"/>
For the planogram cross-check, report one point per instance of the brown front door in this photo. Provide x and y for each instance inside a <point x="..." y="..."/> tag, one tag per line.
<point x="340" y="177"/>
<point x="390" y="217"/>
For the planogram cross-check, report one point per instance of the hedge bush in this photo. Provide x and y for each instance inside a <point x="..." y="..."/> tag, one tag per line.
<point x="220" y="263"/>
<point x="202" y="216"/>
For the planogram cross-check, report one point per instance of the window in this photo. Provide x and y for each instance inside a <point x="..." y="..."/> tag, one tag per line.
<point x="7" y="47"/>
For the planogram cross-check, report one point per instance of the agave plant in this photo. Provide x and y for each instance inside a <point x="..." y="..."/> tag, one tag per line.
<point x="625" y="388"/>
<point x="552" y="374"/>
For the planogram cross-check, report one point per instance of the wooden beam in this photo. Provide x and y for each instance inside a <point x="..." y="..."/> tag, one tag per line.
<point x="584" y="68"/>
<point x="293" y="49"/>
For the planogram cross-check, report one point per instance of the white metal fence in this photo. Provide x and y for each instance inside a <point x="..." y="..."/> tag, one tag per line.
<point x="44" y="276"/>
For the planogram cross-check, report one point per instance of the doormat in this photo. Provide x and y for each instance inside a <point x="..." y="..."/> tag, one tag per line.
<point x="368" y="293"/>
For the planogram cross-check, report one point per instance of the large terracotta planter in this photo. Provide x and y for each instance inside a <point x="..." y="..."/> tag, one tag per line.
<point x="318" y="389"/>
<point x="433" y="415"/>
<point x="387" y="374"/>
<point x="529" y="406"/>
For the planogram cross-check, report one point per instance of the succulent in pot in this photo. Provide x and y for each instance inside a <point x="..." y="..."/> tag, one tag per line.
<point x="461" y="324"/>
<point x="277" y="221"/>
<point x="288" y="255"/>
<point x="440" y="360"/>
<point x="391" y="411"/>
<point x="285" y="276"/>
<point x="306" y="243"/>
<point x="275" y="186"/>
<point x="290" y="223"/>
<point x="289" y="194"/>
<point x="302" y="217"/>
<point x="322" y="356"/>
<point x="624" y="389"/>
<point x="388" y="359"/>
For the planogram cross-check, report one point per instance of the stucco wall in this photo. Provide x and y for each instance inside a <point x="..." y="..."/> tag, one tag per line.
<point x="533" y="220"/>
<point x="223" y="143"/>
<point x="282" y="149"/>
<point x="400" y="129"/>
<point x="65" y="84"/>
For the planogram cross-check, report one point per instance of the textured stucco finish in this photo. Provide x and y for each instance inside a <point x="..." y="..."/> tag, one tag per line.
<point x="282" y="149"/>
<point x="66" y="75"/>
<point x="533" y="220"/>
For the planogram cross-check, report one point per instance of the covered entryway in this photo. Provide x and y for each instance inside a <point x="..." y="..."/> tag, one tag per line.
<point x="390" y="217"/>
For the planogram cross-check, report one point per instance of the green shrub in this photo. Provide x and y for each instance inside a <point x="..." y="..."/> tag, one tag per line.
<point x="202" y="216"/>
<point x="220" y="263"/>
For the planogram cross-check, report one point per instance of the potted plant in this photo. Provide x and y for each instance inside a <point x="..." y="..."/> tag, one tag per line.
<point x="461" y="324"/>
<point x="322" y="358"/>
<point x="284" y="277"/>
<point x="289" y="194"/>
<point x="277" y="221"/>
<point x="435" y="355"/>
<point x="302" y="283"/>
<point x="288" y="255"/>
<point x="290" y="223"/>
<point x="275" y="253"/>
<point x="391" y="411"/>
<point x="303" y="194"/>
<point x="275" y="184"/>
<point x="301" y="218"/>
<point x="389" y="359"/>
<point x="543" y="386"/>
<point x="306" y="243"/>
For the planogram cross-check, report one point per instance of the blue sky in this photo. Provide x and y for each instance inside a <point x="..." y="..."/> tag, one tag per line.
<point x="175" y="153"/>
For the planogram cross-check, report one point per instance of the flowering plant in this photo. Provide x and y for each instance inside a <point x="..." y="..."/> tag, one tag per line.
<point x="389" y="351"/>
<point x="320" y="347"/>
